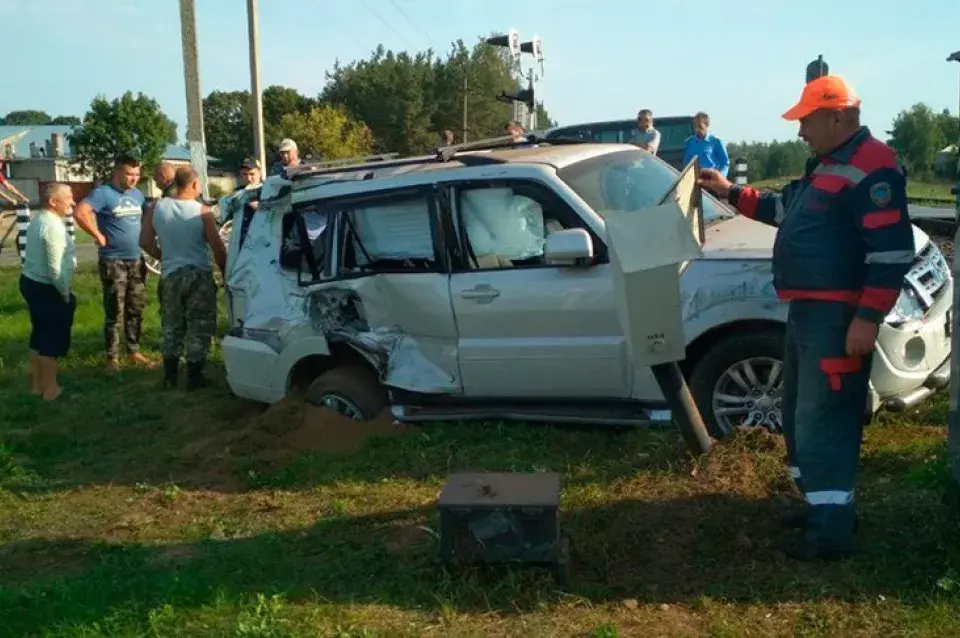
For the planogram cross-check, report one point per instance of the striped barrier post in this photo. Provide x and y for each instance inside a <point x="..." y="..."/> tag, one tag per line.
<point x="71" y="226"/>
<point x="23" y="221"/>
<point x="740" y="171"/>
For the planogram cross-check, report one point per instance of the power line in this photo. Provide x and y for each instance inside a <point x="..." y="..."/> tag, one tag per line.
<point x="388" y="25"/>
<point x="412" y="25"/>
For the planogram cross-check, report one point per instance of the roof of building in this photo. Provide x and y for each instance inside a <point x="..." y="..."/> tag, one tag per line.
<point x="22" y="136"/>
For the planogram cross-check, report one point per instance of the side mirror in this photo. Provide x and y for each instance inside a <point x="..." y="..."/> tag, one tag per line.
<point x="568" y="247"/>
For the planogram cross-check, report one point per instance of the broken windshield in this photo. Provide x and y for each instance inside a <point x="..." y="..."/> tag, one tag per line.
<point x="627" y="181"/>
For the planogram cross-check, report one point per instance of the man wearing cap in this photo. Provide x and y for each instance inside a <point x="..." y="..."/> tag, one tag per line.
<point x="289" y="156"/>
<point x="843" y="247"/>
<point x="244" y="201"/>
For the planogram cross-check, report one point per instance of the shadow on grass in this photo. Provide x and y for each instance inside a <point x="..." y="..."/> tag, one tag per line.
<point x="659" y="551"/>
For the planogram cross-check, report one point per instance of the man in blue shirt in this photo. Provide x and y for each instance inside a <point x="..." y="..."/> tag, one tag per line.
<point x="709" y="148"/>
<point x="111" y="215"/>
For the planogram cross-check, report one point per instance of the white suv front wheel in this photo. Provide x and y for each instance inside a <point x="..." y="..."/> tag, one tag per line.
<point x="739" y="383"/>
<point x="353" y="391"/>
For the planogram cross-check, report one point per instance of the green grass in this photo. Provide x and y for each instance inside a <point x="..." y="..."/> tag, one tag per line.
<point x="116" y="520"/>
<point x="920" y="192"/>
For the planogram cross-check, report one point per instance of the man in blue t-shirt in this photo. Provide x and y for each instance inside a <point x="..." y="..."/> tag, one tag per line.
<point x="111" y="215"/>
<point x="705" y="145"/>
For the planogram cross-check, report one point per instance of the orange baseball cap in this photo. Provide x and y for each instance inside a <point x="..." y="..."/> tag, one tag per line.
<point x="826" y="92"/>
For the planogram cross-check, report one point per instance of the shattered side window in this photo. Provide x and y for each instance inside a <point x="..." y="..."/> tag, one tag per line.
<point x="301" y="249"/>
<point x="392" y="234"/>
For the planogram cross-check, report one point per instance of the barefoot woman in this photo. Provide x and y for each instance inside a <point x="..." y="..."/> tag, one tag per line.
<point x="45" y="286"/>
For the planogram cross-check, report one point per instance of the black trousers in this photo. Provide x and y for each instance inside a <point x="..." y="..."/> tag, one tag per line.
<point x="51" y="317"/>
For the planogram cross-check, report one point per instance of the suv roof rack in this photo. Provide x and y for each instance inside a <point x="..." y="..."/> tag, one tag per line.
<point x="350" y="160"/>
<point x="354" y="164"/>
<point x="441" y="154"/>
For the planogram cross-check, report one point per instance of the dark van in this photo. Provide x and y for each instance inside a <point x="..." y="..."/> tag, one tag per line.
<point x="674" y="132"/>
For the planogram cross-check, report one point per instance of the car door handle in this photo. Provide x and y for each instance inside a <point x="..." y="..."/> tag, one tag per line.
<point x="483" y="293"/>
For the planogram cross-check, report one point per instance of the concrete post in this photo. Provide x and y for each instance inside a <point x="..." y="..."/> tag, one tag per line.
<point x="256" y="94"/>
<point x="191" y="73"/>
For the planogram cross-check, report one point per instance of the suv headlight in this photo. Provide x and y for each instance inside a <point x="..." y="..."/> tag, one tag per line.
<point x="906" y="309"/>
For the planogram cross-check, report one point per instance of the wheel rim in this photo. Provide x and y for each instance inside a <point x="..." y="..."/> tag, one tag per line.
<point x="749" y="394"/>
<point x="342" y="405"/>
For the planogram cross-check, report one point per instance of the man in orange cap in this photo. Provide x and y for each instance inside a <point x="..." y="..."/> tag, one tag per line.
<point x="843" y="247"/>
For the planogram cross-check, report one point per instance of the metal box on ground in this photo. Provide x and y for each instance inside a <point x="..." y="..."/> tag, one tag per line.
<point x="502" y="518"/>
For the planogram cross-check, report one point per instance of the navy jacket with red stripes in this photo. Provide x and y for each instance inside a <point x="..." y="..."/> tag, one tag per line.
<point x="844" y="233"/>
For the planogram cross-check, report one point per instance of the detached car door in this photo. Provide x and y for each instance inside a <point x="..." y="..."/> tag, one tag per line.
<point x="527" y="329"/>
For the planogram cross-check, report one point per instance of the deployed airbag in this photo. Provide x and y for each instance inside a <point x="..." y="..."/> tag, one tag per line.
<point x="499" y="222"/>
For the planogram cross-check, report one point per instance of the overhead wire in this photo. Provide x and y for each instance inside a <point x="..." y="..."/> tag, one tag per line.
<point x="388" y="25"/>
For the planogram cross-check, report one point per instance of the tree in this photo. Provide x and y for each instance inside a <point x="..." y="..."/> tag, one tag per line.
<point x="279" y="101"/>
<point x="406" y="100"/>
<point x="128" y="124"/>
<point x="392" y="94"/>
<point x="227" y="126"/>
<point x="918" y="134"/>
<point x="26" y="118"/>
<point x="228" y="120"/>
<point x="771" y="160"/>
<point x="66" y="120"/>
<point x="328" y="132"/>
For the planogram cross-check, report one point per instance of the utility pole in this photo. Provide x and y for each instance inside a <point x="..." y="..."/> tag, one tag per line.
<point x="191" y="74"/>
<point x="256" y="95"/>
<point x="953" y="416"/>
<point x="465" y="103"/>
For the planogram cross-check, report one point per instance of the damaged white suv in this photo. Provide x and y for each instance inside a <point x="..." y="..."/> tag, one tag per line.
<point x="477" y="286"/>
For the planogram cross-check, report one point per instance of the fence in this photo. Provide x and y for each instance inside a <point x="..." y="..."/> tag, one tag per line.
<point x="23" y="222"/>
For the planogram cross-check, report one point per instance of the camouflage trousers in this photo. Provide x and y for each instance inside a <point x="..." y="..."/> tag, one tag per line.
<point x="188" y="313"/>
<point x="124" y="298"/>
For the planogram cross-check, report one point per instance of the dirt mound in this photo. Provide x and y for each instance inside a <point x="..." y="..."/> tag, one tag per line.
<point x="291" y="428"/>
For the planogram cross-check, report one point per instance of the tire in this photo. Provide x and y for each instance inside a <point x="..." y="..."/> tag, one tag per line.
<point x="764" y="350"/>
<point x="353" y="387"/>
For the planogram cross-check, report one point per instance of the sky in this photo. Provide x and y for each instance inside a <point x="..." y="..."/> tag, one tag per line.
<point x="741" y="61"/>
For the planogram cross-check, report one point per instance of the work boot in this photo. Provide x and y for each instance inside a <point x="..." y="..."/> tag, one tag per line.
<point x="797" y="547"/>
<point x="171" y="369"/>
<point x="195" y="378"/>
<point x="798" y="519"/>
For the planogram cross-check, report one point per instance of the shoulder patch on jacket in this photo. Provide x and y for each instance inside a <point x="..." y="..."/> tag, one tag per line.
<point x="881" y="193"/>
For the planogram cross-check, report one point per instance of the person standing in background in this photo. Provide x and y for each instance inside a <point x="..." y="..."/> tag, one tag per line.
<point x="50" y="260"/>
<point x="646" y="137"/>
<point x="112" y="214"/>
<point x="10" y="192"/>
<point x="289" y="157"/>
<point x="706" y="146"/>
<point x="188" y="294"/>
